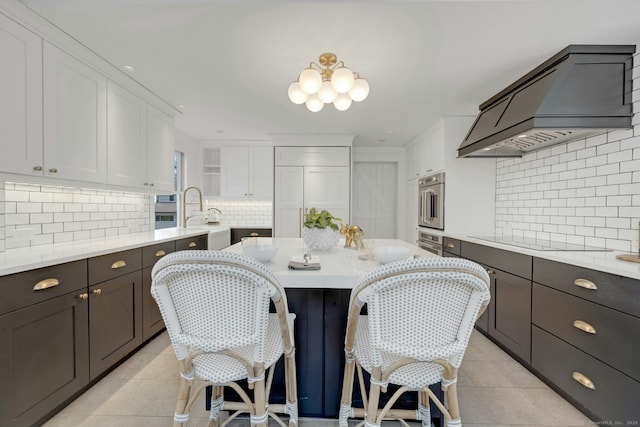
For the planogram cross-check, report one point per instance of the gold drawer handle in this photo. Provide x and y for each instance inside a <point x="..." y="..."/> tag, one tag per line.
<point x="46" y="284"/>
<point x="586" y="284"/>
<point x="118" y="264"/>
<point x="192" y="245"/>
<point x="584" y="326"/>
<point x="583" y="380"/>
<point x="254" y="234"/>
<point x="160" y="253"/>
<point x="451" y="245"/>
<point x="97" y="291"/>
<point x="83" y="296"/>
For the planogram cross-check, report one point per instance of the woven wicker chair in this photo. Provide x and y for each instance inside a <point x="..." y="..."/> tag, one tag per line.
<point x="216" y="309"/>
<point x="421" y="313"/>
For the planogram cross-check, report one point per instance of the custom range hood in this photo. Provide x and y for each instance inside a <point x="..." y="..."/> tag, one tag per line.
<point x="583" y="90"/>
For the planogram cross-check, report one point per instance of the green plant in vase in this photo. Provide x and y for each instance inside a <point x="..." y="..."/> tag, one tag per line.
<point x="320" y="232"/>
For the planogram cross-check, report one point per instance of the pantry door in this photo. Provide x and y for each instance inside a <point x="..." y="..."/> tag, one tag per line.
<point x="374" y="199"/>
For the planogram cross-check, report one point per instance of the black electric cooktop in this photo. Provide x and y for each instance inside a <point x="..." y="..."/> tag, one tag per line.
<point x="539" y="244"/>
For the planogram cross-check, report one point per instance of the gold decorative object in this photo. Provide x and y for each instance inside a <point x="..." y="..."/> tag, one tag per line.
<point x="353" y="234"/>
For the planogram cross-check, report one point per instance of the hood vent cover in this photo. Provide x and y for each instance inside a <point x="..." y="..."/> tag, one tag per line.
<point x="583" y="90"/>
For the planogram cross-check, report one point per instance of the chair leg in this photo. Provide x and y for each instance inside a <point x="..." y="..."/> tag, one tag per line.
<point x="452" y="400"/>
<point x="347" y="391"/>
<point x="374" y="398"/>
<point x="291" y="388"/>
<point x="180" y="416"/>
<point x="424" y="409"/>
<point x="217" y="401"/>
<point x="260" y="417"/>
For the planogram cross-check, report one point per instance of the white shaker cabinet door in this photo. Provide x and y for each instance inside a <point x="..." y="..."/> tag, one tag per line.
<point x="261" y="172"/>
<point x="234" y="165"/>
<point x="328" y="187"/>
<point x="75" y="118"/>
<point x="21" y="99"/>
<point x="289" y="193"/>
<point x="126" y="138"/>
<point x="160" y="149"/>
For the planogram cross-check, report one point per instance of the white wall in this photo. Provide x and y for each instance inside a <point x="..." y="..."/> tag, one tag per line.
<point x="584" y="192"/>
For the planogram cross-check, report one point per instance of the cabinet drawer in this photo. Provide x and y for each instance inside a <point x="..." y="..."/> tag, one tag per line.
<point x="108" y="266"/>
<point x="511" y="262"/>
<point x="30" y="287"/>
<point x="615" y="395"/>
<point x="556" y="312"/>
<point x="196" y="242"/>
<point x="451" y="245"/>
<point x="238" y="233"/>
<point x="152" y="253"/>
<point x="620" y="293"/>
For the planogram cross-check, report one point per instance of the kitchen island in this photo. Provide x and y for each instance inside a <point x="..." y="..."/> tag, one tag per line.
<point x="320" y="300"/>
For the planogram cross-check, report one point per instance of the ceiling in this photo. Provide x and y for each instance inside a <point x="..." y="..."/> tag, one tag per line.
<point x="229" y="62"/>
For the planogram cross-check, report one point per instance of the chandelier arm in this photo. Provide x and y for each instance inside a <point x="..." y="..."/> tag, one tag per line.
<point x="316" y="67"/>
<point x="338" y="65"/>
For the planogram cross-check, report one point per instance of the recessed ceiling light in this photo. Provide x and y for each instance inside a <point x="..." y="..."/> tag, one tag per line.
<point x="522" y="136"/>
<point x="128" y="68"/>
<point x="220" y="131"/>
<point x="180" y="106"/>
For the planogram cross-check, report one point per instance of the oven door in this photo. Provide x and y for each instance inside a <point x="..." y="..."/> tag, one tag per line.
<point x="431" y="206"/>
<point x="430" y="242"/>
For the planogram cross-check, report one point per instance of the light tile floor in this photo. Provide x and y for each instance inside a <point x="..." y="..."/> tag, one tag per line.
<point x="493" y="389"/>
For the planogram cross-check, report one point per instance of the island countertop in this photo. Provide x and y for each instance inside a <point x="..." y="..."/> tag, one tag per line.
<point x="340" y="267"/>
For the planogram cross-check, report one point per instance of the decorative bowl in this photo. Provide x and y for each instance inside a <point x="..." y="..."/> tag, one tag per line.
<point x="260" y="249"/>
<point x="320" y="239"/>
<point x="387" y="254"/>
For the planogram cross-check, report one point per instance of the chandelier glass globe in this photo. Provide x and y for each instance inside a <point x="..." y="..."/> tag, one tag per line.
<point x="360" y="90"/>
<point x="296" y="94"/>
<point x="310" y="80"/>
<point x="313" y="103"/>
<point x="327" y="93"/>
<point x="342" y="102"/>
<point x="342" y="79"/>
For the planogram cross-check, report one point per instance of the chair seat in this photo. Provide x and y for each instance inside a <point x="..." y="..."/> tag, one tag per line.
<point x="416" y="376"/>
<point x="221" y="369"/>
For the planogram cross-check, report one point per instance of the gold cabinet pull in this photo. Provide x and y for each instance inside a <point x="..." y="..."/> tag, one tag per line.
<point x="192" y="245"/>
<point x="583" y="380"/>
<point x="160" y="253"/>
<point x="490" y="272"/>
<point x="586" y="284"/>
<point x="584" y="326"/>
<point x="46" y="284"/>
<point x="37" y="168"/>
<point x="53" y="170"/>
<point x="254" y="234"/>
<point x="83" y="296"/>
<point x="97" y="291"/>
<point x="451" y="245"/>
<point x="118" y="264"/>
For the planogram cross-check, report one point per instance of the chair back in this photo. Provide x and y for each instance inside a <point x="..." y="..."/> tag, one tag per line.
<point x="214" y="300"/>
<point x="423" y="308"/>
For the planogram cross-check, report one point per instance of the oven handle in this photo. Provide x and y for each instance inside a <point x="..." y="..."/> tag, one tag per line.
<point x="430" y="247"/>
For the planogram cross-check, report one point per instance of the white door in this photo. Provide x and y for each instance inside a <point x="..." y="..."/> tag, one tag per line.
<point x="21" y="99"/>
<point x="288" y="201"/>
<point x="375" y="187"/>
<point x="75" y="118"/>
<point x="327" y="187"/>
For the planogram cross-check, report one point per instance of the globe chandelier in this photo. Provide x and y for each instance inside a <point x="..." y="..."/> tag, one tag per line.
<point x="328" y="82"/>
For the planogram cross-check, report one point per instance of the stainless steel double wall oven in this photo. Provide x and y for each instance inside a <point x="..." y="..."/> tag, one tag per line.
<point x="431" y="212"/>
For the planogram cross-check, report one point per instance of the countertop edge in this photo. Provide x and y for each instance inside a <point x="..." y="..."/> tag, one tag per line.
<point x="23" y="259"/>
<point x="597" y="260"/>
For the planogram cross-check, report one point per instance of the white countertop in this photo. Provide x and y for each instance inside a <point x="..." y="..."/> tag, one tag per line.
<point x="340" y="267"/>
<point x="602" y="261"/>
<point x="23" y="259"/>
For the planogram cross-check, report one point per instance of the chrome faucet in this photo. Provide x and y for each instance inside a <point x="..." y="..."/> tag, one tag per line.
<point x="185" y="218"/>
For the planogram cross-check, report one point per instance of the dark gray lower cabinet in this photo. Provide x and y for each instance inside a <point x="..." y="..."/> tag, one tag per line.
<point x="115" y="320"/>
<point x="44" y="358"/>
<point x="509" y="314"/>
<point x="597" y="389"/>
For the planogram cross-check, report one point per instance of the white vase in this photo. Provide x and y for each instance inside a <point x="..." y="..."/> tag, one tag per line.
<point x="320" y="239"/>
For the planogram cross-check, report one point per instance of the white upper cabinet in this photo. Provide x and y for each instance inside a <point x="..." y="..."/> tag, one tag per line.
<point x="425" y="154"/>
<point x="21" y="99"/>
<point x="140" y="143"/>
<point x="75" y="118"/>
<point x="127" y="135"/>
<point x="246" y="172"/>
<point x="160" y="150"/>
